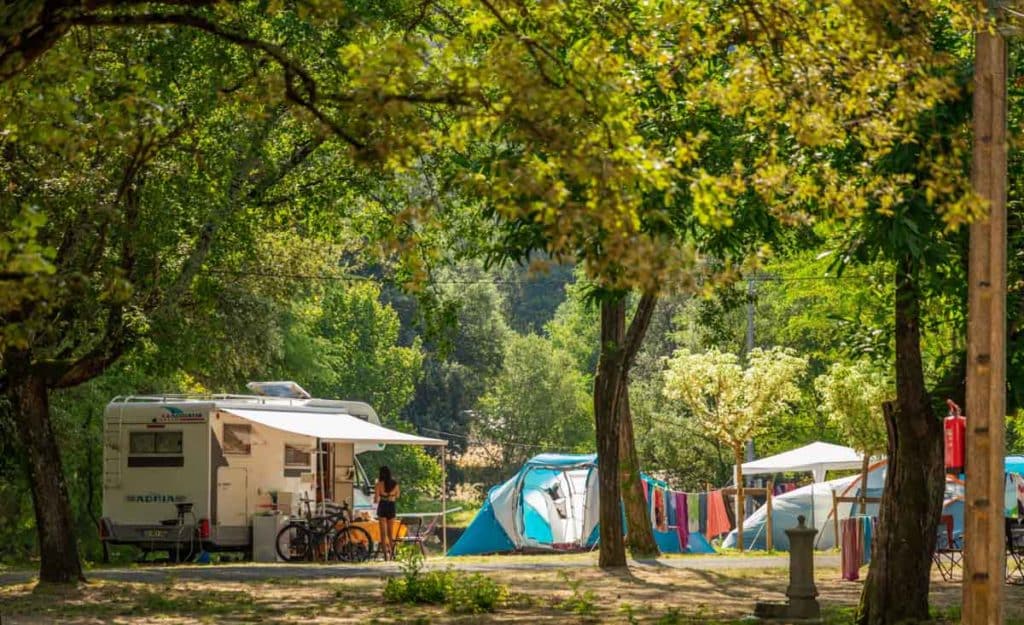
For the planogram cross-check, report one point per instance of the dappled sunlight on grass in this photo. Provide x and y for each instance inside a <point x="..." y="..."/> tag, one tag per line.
<point x="642" y="594"/>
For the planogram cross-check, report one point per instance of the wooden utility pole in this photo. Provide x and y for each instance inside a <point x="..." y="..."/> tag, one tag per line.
<point x="984" y="542"/>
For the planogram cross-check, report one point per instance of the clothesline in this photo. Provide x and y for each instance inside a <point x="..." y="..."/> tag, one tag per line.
<point x="687" y="513"/>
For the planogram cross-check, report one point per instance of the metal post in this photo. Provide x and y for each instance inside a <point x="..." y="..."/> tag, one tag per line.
<point x="751" y="295"/>
<point x="984" y="546"/>
<point x="444" y="502"/>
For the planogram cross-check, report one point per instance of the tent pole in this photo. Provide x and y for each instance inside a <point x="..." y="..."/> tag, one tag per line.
<point x="444" y="503"/>
<point x="835" y="519"/>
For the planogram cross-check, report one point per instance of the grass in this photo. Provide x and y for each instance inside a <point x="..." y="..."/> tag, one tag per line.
<point x="109" y="600"/>
<point x="649" y="594"/>
<point x="464" y="517"/>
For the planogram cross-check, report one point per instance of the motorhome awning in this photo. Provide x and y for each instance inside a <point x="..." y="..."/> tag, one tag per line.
<point x="331" y="427"/>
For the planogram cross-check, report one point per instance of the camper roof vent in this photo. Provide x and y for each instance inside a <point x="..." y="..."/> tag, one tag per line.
<point x="278" y="389"/>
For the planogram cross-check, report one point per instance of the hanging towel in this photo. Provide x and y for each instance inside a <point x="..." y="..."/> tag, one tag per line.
<point x="663" y="509"/>
<point x="693" y="513"/>
<point x="682" y="520"/>
<point x="657" y="517"/>
<point x="849" y="559"/>
<point x="702" y="500"/>
<point x="670" y="506"/>
<point x="646" y="495"/>
<point x="868" y="523"/>
<point x="718" y="519"/>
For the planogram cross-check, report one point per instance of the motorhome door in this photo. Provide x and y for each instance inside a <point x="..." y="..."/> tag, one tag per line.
<point x="232" y="496"/>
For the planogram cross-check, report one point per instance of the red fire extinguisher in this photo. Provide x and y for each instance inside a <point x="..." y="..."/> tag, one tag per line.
<point x="955" y="430"/>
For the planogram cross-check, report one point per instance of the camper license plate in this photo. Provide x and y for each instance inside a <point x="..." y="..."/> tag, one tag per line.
<point x="154" y="533"/>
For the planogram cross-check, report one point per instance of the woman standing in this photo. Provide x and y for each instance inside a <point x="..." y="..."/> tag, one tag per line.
<point x="385" y="493"/>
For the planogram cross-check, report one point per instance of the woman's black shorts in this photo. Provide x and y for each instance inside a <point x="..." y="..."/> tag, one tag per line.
<point x="386" y="510"/>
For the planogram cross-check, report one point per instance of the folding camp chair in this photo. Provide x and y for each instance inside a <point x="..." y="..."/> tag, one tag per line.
<point x="419" y="534"/>
<point x="1014" y="552"/>
<point x="949" y="551"/>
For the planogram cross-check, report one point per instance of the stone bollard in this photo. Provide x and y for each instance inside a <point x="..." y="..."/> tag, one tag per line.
<point x="802" y="593"/>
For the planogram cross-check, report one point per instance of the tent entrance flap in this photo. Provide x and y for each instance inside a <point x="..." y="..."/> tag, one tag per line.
<point x="331" y="427"/>
<point x="552" y="506"/>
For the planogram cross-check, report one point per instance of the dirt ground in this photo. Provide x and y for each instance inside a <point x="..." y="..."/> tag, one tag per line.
<point x="649" y="593"/>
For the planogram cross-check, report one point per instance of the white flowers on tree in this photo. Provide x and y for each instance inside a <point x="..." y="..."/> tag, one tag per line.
<point x="734" y="402"/>
<point x="731" y="401"/>
<point x="852" y="396"/>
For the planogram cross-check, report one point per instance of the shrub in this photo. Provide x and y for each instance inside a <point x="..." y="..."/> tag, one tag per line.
<point x="475" y="593"/>
<point x="582" y="602"/>
<point x="459" y="592"/>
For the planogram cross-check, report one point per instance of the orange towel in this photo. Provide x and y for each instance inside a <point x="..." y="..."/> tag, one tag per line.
<point x="718" y="518"/>
<point x="660" y="520"/>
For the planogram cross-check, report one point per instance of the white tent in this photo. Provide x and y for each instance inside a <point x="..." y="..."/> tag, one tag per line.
<point x="816" y="458"/>
<point x="814" y="503"/>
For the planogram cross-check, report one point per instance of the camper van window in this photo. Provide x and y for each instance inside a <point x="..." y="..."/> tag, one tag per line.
<point x="237" y="438"/>
<point x="155" y="449"/>
<point x="296" y="457"/>
<point x="155" y="443"/>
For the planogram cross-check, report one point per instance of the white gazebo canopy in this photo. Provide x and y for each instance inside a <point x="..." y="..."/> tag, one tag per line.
<point x="816" y="458"/>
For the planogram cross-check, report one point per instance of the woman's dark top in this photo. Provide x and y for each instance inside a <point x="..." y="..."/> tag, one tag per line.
<point x="386" y="501"/>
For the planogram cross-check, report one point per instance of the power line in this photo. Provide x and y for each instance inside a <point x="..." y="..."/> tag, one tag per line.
<point x="352" y="278"/>
<point x="475" y="441"/>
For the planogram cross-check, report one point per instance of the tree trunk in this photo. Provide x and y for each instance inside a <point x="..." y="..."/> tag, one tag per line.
<point x="611" y="409"/>
<point x="607" y="425"/>
<point x="58" y="547"/>
<point x="639" y="534"/>
<point x="897" y="586"/>
<point x="737" y="452"/>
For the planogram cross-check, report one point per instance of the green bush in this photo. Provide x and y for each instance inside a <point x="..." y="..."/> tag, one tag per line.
<point x="459" y="592"/>
<point x="475" y="593"/>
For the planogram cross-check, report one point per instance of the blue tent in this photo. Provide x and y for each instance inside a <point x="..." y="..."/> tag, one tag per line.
<point x="551" y="503"/>
<point x="1015" y="464"/>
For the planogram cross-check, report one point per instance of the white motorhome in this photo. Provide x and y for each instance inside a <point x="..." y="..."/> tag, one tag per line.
<point x="187" y="469"/>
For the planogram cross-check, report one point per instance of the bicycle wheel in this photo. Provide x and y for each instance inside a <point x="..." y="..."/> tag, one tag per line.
<point x="294" y="543"/>
<point x="352" y="544"/>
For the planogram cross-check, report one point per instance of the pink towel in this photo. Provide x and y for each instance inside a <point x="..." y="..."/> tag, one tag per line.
<point x="851" y="556"/>
<point x="682" y="520"/>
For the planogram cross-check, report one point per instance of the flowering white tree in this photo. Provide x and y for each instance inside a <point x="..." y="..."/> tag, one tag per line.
<point x="735" y="402"/>
<point x="852" y="396"/>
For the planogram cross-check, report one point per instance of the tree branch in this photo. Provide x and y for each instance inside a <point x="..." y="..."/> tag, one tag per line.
<point x="111" y="346"/>
<point x="638" y="327"/>
<point x="31" y="28"/>
<point x="197" y="22"/>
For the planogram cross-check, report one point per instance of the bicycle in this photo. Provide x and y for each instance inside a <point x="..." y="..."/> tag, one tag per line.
<point x="329" y="536"/>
